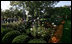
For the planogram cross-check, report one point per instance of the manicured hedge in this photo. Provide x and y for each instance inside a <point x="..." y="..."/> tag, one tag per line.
<point x="10" y="36"/>
<point x="20" y="39"/>
<point x="37" y="41"/>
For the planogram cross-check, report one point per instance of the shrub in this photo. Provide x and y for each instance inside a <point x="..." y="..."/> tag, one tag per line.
<point x="4" y="25"/>
<point x="20" y="39"/>
<point x="10" y="36"/>
<point x="37" y="41"/>
<point x="21" y="28"/>
<point x="28" y="31"/>
<point x="4" y="31"/>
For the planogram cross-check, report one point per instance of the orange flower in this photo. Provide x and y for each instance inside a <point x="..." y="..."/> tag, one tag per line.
<point x="54" y="40"/>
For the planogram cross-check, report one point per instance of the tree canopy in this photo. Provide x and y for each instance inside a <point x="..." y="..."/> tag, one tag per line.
<point x="35" y="8"/>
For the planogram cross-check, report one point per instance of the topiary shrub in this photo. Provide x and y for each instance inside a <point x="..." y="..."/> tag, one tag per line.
<point x="20" y="39"/>
<point x="37" y="41"/>
<point x="10" y="36"/>
<point x="4" y="31"/>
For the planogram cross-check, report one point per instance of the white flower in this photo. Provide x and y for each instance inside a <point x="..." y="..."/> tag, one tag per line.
<point x="14" y="21"/>
<point x="42" y="35"/>
<point x="38" y="18"/>
<point x="31" y="29"/>
<point x="34" y="20"/>
<point x="38" y="32"/>
<point x="52" y="23"/>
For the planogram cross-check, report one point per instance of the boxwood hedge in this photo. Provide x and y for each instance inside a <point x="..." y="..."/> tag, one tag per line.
<point x="20" y="39"/>
<point x="4" y="31"/>
<point x="10" y="36"/>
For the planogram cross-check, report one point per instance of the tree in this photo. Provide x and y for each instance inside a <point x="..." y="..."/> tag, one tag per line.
<point x="36" y="9"/>
<point x="62" y="12"/>
<point x="19" y="4"/>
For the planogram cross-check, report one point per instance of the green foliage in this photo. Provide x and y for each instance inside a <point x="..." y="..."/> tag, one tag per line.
<point x="4" y="31"/>
<point x="20" y="39"/>
<point x="42" y="31"/>
<point x="10" y="36"/>
<point x="21" y="27"/>
<point x="11" y="26"/>
<point x="35" y="7"/>
<point x="66" y="38"/>
<point x="34" y="31"/>
<point x="37" y="41"/>
<point x="11" y="13"/>
<point x="62" y="11"/>
<point x="28" y="31"/>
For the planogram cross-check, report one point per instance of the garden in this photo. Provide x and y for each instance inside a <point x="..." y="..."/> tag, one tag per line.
<point x="43" y="23"/>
